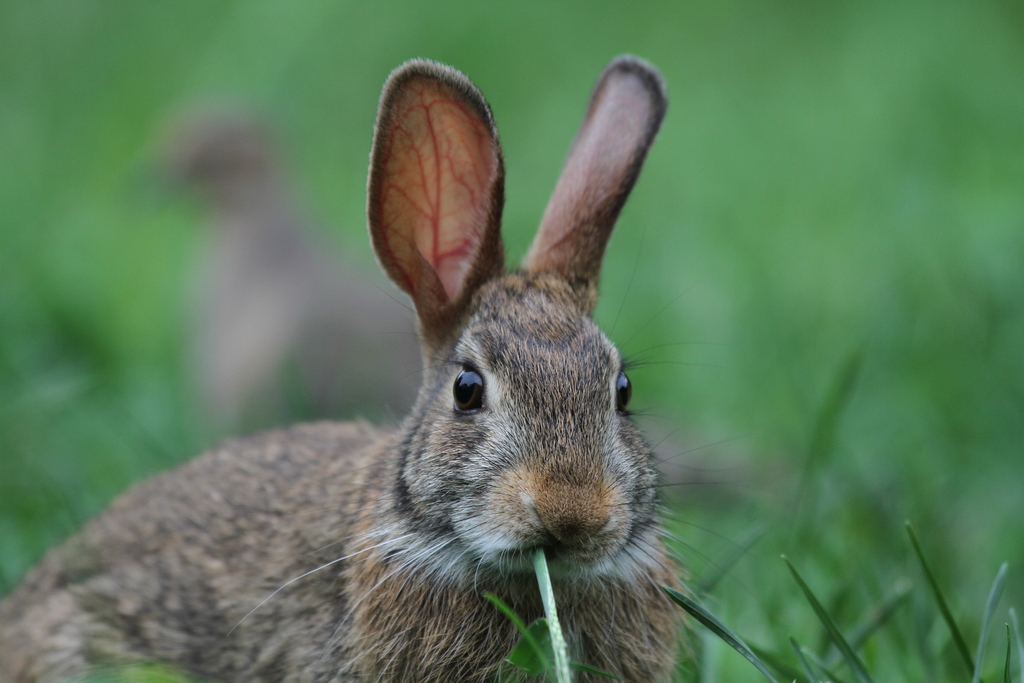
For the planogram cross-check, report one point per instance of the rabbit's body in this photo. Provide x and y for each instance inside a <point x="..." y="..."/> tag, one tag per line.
<point x="167" y="570"/>
<point x="344" y="552"/>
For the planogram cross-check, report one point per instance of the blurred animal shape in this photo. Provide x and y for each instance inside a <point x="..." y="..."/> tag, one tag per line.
<point x="283" y="326"/>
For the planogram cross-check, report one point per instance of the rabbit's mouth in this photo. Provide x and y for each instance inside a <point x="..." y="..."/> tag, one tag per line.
<point x="563" y="561"/>
<point x="566" y="561"/>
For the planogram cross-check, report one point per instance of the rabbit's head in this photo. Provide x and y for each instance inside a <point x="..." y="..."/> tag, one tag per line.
<point x="521" y="436"/>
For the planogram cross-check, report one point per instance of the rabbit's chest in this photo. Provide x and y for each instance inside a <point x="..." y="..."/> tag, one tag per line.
<point x="408" y="629"/>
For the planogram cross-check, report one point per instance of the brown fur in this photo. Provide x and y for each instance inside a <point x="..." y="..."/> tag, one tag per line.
<point x="345" y="552"/>
<point x="622" y="119"/>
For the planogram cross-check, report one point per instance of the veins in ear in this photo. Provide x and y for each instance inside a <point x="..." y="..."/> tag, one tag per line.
<point x="439" y="164"/>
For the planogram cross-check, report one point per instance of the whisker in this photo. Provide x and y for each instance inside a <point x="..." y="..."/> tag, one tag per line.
<point x="673" y="484"/>
<point x="632" y="274"/>
<point x="665" y="438"/>
<point x="673" y="344"/>
<point x="312" y="571"/>
<point x="701" y="448"/>
<point x="656" y="315"/>
<point x="397" y="301"/>
<point x="706" y="530"/>
<point x="638" y="364"/>
<point x="679" y="544"/>
<point x="428" y="367"/>
<point x="352" y="609"/>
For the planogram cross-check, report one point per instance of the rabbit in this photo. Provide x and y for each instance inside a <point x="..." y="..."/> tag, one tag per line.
<point x="277" y="316"/>
<point x="349" y="552"/>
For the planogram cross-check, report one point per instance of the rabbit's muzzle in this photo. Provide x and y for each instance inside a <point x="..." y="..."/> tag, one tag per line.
<point x="578" y="522"/>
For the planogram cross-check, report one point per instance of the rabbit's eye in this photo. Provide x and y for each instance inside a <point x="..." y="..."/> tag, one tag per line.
<point x="469" y="390"/>
<point x="623" y="391"/>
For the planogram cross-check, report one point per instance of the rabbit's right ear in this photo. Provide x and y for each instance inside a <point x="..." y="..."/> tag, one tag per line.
<point x="436" y="191"/>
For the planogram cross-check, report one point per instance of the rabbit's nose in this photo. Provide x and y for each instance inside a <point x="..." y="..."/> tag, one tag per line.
<point x="573" y="515"/>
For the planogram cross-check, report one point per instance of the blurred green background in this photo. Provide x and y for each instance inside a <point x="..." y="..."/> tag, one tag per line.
<point x="823" y="262"/>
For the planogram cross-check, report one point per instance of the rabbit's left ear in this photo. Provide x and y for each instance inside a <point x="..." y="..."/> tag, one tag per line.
<point x="624" y="114"/>
<point x="436" y="192"/>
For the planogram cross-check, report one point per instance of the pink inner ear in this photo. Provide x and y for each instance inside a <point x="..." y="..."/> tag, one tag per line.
<point x="439" y="164"/>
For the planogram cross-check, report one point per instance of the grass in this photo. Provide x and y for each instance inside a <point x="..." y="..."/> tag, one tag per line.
<point x="819" y="276"/>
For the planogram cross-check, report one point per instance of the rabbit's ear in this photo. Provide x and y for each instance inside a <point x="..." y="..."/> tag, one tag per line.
<point x="624" y="114"/>
<point x="436" y="191"/>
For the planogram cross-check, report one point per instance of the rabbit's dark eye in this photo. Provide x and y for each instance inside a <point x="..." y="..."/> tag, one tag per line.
<point x="469" y="390"/>
<point x="623" y="391"/>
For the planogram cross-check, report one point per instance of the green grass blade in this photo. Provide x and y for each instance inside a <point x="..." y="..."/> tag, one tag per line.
<point x="144" y="673"/>
<point x="830" y="675"/>
<point x="774" y="662"/>
<point x="719" y="629"/>
<point x="875" y="620"/>
<point x="1006" y="667"/>
<point x="848" y="654"/>
<point x="804" y="664"/>
<point x="824" y="435"/>
<point x="563" y="674"/>
<point x="958" y="638"/>
<point x="1020" y="644"/>
<point x="527" y="635"/>
<point x="990" y="608"/>
<point x="826" y="426"/>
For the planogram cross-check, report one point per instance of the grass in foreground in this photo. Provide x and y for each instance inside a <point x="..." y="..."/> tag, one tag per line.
<point x="816" y="667"/>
